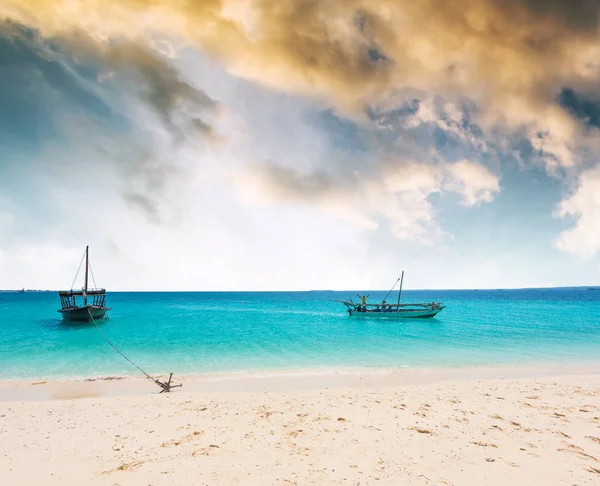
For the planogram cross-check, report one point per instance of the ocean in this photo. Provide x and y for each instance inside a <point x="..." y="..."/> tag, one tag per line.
<point x="230" y="332"/>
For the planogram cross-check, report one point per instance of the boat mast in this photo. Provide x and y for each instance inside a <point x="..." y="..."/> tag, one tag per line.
<point x="85" y="287"/>
<point x="400" y="290"/>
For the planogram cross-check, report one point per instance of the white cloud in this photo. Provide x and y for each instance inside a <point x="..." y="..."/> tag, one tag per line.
<point x="395" y="192"/>
<point x="400" y="194"/>
<point x="583" y="206"/>
<point x="473" y="182"/>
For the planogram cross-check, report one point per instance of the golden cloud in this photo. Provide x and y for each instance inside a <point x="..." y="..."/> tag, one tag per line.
<point x="523" y="49"/>
<point x="511" y="58"/>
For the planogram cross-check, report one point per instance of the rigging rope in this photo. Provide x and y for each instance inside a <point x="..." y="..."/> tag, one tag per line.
<point x="386" y="295"/>
<point x="93" y="279"/>
<point x="166" y="387"/>
<point x="78" y="270"/>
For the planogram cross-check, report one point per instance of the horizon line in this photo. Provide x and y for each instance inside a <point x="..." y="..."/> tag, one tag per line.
<point x="320" y="290"/>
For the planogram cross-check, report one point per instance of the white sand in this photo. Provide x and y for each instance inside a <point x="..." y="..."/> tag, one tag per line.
<point x="367" y="430"/>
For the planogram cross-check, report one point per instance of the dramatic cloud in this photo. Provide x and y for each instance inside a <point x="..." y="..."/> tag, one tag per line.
<point x="512" y="60"/>
<point x="111" y="102"/>
<point x="524" y="51"/>
<point x="419" y="98"/>
<point x="180" y="106"/>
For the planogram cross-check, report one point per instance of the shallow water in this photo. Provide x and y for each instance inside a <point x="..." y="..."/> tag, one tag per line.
<point x="190" y="332"/>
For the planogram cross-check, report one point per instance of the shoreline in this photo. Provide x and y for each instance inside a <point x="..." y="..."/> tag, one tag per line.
<point x="280" y="380"/>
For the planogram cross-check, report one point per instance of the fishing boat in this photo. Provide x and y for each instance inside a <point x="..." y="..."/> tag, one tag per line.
<point x="84" y="304"/>
<point x="392" y="311"/>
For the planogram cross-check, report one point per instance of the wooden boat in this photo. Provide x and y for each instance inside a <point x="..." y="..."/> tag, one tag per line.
<point x="392" y="311"/>
<point x="82" y="305"/>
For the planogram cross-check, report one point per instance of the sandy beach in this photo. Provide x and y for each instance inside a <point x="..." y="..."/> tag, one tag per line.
<point x="294" y="429"/>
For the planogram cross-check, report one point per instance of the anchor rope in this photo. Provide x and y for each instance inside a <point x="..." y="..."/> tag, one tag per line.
<point x="164" y="386"/>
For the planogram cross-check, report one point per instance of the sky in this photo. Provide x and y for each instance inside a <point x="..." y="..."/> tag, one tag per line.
<point x="300" y="144"/>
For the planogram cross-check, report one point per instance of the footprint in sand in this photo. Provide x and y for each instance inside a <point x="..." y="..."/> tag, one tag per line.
<point x="131" y="466"/>
<point x="572" y="448"/>
<point x="187" y="438"/>
<point x="485" y="444"/>
<point x="560" y="432"/>
<point x="128" y="466"/>
<point x="205" y="451"/>
<point x="266" y="414"/>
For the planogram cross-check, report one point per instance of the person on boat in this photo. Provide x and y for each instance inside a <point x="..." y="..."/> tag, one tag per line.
<point x="364" y="298"/>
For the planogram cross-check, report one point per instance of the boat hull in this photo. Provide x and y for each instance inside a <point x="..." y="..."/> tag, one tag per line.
<point x="82" y="314"/>
<point x="402" y="314"/>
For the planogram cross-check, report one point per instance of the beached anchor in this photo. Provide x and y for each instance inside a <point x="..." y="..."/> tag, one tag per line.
<point x="166" y="387"/>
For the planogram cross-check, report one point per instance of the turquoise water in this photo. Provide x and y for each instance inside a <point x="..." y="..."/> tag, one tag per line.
<point x="224" y="332"/>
